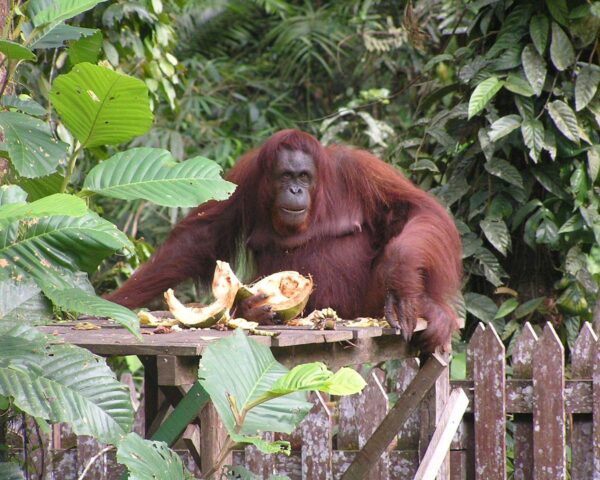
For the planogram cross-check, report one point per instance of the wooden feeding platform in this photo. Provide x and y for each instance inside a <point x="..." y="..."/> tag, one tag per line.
<point x="175" y="402"/>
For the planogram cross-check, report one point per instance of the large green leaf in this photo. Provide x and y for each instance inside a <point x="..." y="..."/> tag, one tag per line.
<point x="23" y="301"/>
<point x="24" y="104"/>
<point x="86" y="49"/>
<point x="496" y="231"/>
<point x="535" y="68"/>
<point x="55" y="36"/>
<point x="62" y="383"/>
<point x="50" y="11"/>
<point x="565" y="119"/>
<point x="586" y="86"/>
<point x="538" y="31"/>
<point x="154" y="175"/>
<point x="81" y="302"/>
<point x="241" y="370"/>
<point x="482" y="94"/>
<point x="16" y="51"/>
<point x="316" y="376"/>
<point x="533" y="136"/>
<point x="481" y="306"/>
<point x="33" y="150"/>
<point x="503" y="126"/>
<point x="504" y="170"/>
<point x="57" y="204"/>
<point x="100" y="106"/>
<point x="72" y="243"/>
<point x="147" y="459"/>
<point x="593" y="161"/>
<point x="561" y="48"/>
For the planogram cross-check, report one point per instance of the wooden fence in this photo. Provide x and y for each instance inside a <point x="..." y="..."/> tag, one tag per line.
<point x="530" y="406"/>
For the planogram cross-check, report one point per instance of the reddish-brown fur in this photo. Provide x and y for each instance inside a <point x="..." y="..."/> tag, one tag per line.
<point x="370" y="231"/>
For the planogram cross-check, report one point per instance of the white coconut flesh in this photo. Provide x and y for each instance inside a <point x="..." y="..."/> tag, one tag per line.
<point x="284" y="290"/>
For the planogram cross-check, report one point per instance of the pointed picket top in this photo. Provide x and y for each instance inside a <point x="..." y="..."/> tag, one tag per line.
<point x="581" y="356"/>
<point x="522" y="354"/>
<point x="473" y="347"/>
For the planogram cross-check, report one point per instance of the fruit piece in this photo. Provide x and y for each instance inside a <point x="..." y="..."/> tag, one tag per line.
<point x="287" y="293"/>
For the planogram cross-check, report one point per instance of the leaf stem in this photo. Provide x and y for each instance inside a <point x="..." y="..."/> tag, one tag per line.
<point x="71" y="167"/>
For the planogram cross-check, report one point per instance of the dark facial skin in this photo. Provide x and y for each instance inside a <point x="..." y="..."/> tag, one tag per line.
<point x="294" y="179"/>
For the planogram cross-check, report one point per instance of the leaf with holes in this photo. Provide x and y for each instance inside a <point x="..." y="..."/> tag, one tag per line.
<point x="539" y="28"/>
<point x="533" y="136"/>
<point x="535" y="68"/>
<point x="44" y="247"/>
<point x="62" y="383"/>
<point x="586" y="86"/>
<point x="565" y="119"/>
<point x="144" y="458"/>
<point x="561" y="48"/>
<point x="154" y="175"/>
<point x="33" y="150"/>
<point x="503" y="126"/>
<point x="482" y="94"/>
<point x="496" y="231"/>
<point x="57" y="204"/>
<point x="100" y="106"/>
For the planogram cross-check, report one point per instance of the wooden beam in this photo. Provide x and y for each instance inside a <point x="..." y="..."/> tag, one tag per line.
<point x="392" y="423"/>
<point x="442" y="437"/>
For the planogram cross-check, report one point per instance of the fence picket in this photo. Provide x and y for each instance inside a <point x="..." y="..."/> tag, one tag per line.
<point x="490" y="404"/>
<point x="316" y="448"/>
<point x="549" y="407"/>
<point x="581" y="434"/>
<point x="596" y="411"/>
<point x="522" y="363"/>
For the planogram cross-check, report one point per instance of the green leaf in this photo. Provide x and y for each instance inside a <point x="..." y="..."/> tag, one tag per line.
<point x="482" y="94"/>
<point x="546" y="180"/>
<point x="559" y="10"/>
<point x="100" y="106"/>
<point x="535" y="68"/>
<point x="25" y="105"/>
<point x="154" y="175"/>
<point x="573" y="224"/>
<point x="78" y="301"/>
<point x="24" y="301"/>
<point x="547" y="232"/>
<point x="595" y="9"/>
<point x="50" y="11"/>
<point x="503" y="126"/>
<point x="424" y="165"/>
<point x="529" y="307"/>
<point x="316" y="376"/>
<point x="62" y="383"/>
<point x="33" y="151"/>
<point x="16" y="51"/>
<point x="278" y="446"/>
<point x="481" y="306"/>
<point x="561" y="49"/>
<point x="55" y="36"/>
<point x="496" y="231"/>
<point x="539" y="27"/>
<point x="586" y="86"/>
<point x="58" y="204"/>
<point x="565" y="119"/>
<point x="504" y="170"/>
<point x="533" y="136"/>
<point x="86" y="49"/>
<point x="239" y="369"/>
<point x="593" y="161"/>
<point x="574" y="300"/>
<point x="41" y="187"/>
<point x="507" y="307"/>
<point x="493" y="271"/>
<point x="147" y="459"/>
<point x="72" y="243"/>
<point x="517" y="83"/>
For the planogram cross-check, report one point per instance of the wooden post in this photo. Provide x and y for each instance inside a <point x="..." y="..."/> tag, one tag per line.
<point x="490" y="404"/>
<point x="596" y="411"/>
<point x="582" y="442"/>
<point x="522" y="359"/>
<point x="549" y="407"/>
<point x="316" y="445"/>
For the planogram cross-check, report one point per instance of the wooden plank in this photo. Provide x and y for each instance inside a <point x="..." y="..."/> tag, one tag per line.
<point x="489" y="404"/>
<point x="316" y="447"/>
<point x="549" y="408"/>
<point x="581" y="434"/>
<point x="176" y="371"/>
<point x="340" y="354"/>
<point x="389" y="427"/>
<point x="596" y="412"/>
<point x="442" y="437"/>
<point x="212" y="438"/>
